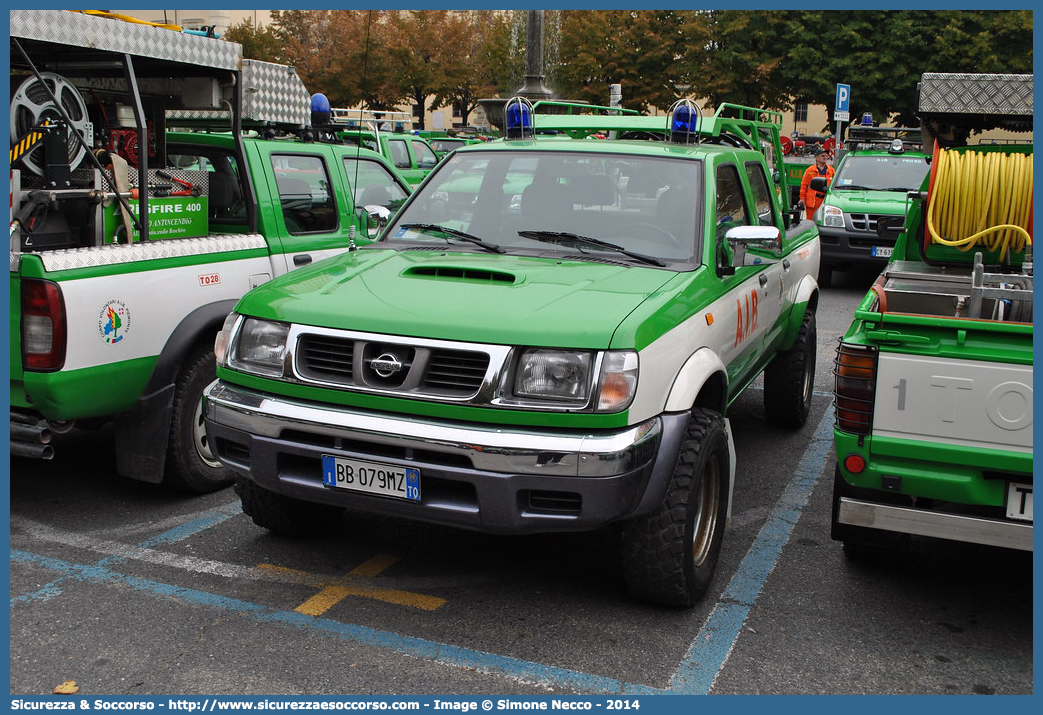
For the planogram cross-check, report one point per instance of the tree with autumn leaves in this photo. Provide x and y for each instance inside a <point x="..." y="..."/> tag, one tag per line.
<point x="752" y="57"/>
<point x="382" y="59"/>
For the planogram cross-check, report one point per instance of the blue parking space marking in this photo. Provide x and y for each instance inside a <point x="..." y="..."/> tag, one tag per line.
<point x="695" y="675"/>
<point x="183" y="531"/>
<point x="418" y="647"/>
<point x="715" y="641"/>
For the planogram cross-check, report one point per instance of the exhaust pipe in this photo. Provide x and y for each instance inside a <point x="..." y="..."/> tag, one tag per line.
<point x="33" y="434"/>
<point x="30" y="437"/>
<point x="35" y="451"/>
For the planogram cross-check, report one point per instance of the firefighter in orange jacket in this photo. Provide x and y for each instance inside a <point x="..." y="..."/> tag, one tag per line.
<point x="811" y="200"/>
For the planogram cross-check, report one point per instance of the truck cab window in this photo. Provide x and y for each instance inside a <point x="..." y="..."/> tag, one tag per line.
<point x="732" y="208"/>
<point x="424" y="156"/>
<point x="223" y="188"/>
<point x="762" y="200"/>
<point x="399" y="153"/>
<point x="304" y="193"/>
<point x="373" y="185"/>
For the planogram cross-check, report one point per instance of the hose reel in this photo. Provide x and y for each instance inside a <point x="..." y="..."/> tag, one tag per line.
<point x="31" y="106"/>
<point x="981" y="200"/>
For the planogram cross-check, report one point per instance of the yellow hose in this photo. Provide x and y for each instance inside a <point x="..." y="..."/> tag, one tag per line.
<point x="128" y="18"/>
<point x="981" y="199"/>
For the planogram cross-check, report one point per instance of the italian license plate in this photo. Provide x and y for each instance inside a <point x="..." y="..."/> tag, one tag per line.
<point x="1019" y="501"/>
<point x="883" y="251"/>
<point x="358" y="475"/>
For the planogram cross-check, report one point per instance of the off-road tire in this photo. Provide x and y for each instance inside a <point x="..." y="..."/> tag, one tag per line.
<point x="861" y="543"/>
<point x="669" y="556"/>
<point x="789" y="379"/>
<point x="191" y="466"/>
<point x="285" y="515"/>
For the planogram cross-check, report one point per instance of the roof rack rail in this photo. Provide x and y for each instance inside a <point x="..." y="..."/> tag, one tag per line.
<point x="339" y="115"/>
<point x="581" y="108"/>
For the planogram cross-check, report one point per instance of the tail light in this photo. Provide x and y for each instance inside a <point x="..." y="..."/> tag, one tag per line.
<point x="43" y="325"/>
<point x="855" y="371"/>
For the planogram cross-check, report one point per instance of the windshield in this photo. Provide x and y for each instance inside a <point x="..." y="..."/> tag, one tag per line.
<point x="882" y="173"/>
<point x="641" y="205"/>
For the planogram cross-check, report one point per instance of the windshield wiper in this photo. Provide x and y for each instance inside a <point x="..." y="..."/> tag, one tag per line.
<point x="856" y="187"/>
<point x="455" y="233"/>
<point x="565" y="237"/>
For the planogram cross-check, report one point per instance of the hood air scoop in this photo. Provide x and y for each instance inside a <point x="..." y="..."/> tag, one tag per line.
<point x="455" y="273"/>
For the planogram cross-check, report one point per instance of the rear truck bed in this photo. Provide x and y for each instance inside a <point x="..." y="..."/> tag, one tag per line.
<point x="934" y="408"/>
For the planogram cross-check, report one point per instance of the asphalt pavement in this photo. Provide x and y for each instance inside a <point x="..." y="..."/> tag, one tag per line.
<point x="132" y="589"/>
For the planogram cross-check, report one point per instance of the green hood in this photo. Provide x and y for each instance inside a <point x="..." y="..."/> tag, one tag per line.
<point x="890" y="203"/>
<point x="460" y="296"/>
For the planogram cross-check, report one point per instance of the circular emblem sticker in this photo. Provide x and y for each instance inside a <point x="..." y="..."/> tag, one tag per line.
<point x="114" y="322"/>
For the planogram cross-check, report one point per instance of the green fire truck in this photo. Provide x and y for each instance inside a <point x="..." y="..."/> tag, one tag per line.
<point x="154" y="180"/>
<point x="875" y="172"/>
<point x="934" y="376"/>
<point x="546" y="338"/>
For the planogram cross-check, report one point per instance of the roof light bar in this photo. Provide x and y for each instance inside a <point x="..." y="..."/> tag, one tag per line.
<point x="683" y="122"/>
<point x="517" y="115"/>
<point x="320" y="110"/>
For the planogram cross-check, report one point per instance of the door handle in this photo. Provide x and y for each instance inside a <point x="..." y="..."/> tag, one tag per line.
<point x="763" y="279"/>
<point x="301" y="259"/>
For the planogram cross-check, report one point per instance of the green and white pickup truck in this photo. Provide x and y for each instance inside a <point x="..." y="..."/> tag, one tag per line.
<point x="546" y="338"/>
<point x="114" y="318"/>
<point x="934" y="376"/>
<point x="879" y="166"/>
<point x="386" y="133"/>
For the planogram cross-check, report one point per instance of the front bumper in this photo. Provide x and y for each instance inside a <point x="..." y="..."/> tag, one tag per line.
<point x="477" y="476"/>
<point x="844" y="246"/>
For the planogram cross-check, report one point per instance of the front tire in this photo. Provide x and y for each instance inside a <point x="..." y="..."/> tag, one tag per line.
<point x="282" y="514"/>
<point x="191" y="464"/>
<point x="789" y="379"/>
<point x="669" y="556"/>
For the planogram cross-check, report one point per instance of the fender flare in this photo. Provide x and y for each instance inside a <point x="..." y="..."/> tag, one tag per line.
<point x="143" y="431"/>
<point x="805" y="298"/>
<point x="703" y="366"/>
<point x="203" y="319"/>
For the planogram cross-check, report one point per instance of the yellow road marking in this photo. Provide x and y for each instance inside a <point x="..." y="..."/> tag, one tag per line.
<point x="333" y="591"/>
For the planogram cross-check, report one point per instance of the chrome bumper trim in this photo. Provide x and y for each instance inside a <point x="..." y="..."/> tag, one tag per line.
<point x="513" y="450"/>
<point x="956" y="527"/>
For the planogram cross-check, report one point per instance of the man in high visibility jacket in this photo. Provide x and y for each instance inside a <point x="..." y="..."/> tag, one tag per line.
<point x="811" y="200"/>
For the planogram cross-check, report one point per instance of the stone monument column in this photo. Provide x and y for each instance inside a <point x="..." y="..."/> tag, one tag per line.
<point x="534" y="89"/>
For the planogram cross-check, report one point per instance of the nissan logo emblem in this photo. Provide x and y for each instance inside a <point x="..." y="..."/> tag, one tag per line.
<point x="386" y="365"/>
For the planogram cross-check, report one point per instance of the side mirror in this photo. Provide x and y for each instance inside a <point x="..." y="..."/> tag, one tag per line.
<point x="754" y="245"/>
<point x="376" y="218"/>
<point x="819" y="183"/>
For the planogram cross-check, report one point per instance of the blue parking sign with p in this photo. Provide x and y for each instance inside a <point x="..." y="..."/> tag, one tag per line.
<point x="843" y="97"/>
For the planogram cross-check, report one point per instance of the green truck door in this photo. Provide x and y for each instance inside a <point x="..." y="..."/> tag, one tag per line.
<point x="314" y="211"/>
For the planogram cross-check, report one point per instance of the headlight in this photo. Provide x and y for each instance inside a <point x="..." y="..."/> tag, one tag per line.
<point x="553" y="375"/>
<point x="618" y="381"/>
<point x="566" y="378"/>
<point x="224" y="336"/>
<point x="260" y="347"/>
<point x="832" y="216"/>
